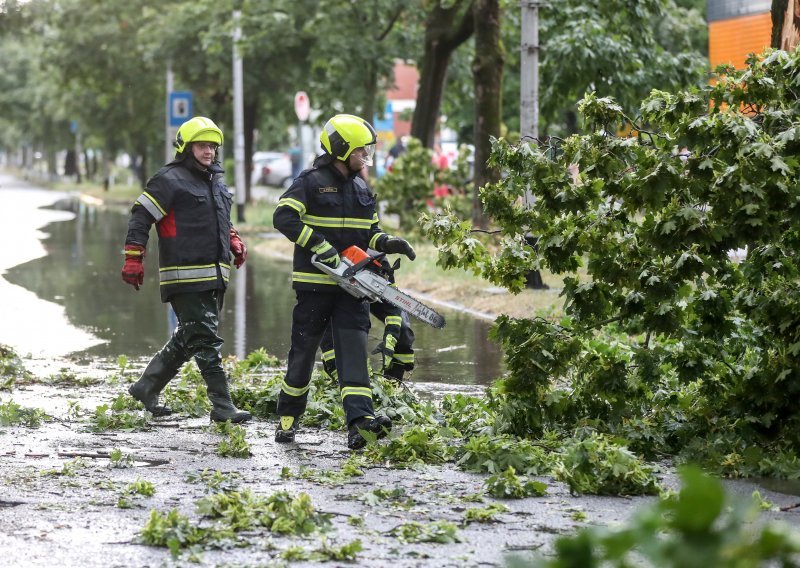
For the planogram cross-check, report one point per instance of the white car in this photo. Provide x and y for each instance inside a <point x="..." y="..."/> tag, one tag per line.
<point x="271" y="168"/>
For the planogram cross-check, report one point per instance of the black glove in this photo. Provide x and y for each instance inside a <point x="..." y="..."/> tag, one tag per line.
<point x="327" y="254"/>
<point x="396" y="245"/>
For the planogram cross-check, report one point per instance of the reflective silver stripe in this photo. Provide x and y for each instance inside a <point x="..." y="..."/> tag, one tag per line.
<point x="149" y="202"/>
<point x="305" y="234"/>
<point x="294" y="391"/>
<point x="374" y="239"/>
<point x="312" y="278"/>
<point x="182" y="274"/>
<point x="337" y="222"/>
<point x="356" y="391"/>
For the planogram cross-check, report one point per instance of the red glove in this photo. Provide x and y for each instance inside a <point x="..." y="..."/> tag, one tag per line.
<point x="133" y="270"/>
<point x="238" y="248"/>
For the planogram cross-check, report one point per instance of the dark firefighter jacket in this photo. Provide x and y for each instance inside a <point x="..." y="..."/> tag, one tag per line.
<point x="192" y="211"/>
<point x="320" y="205"/>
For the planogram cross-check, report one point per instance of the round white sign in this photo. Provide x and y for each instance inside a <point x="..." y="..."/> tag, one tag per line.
<point x="302" y="106"/>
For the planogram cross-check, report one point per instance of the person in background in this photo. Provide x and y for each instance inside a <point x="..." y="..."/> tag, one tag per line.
<point x="397" y="150"/>
<point x="190" y="205"/>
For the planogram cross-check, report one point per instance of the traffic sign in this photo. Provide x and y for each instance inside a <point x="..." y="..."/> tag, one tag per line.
<point x="180" y="107"/>
<point x="302" y="106"/>
<point x="384" y="122"/>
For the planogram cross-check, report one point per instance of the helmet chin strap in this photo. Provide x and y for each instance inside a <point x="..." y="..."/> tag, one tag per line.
<point x="353" y="172"/>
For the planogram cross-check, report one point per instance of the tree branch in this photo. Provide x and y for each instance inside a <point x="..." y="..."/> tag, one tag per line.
<point x="391" y="23"/>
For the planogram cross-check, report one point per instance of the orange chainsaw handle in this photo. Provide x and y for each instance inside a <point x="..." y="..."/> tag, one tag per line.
<point x="359" y="259"/>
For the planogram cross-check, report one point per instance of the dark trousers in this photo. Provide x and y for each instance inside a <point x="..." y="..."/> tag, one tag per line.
<point x="196" y="333"/>
<point x="349" y="321"/>
<point x="403" y="357"/>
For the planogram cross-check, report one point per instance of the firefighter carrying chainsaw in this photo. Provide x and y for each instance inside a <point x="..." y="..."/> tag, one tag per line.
<point x="327" y="209"/>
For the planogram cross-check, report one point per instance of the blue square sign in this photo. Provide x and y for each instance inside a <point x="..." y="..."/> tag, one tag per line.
<point x="384" y="122"/>
<point x="180" y="107"/>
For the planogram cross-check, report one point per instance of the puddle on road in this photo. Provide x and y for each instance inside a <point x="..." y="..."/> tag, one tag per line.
<point x="785" y="486"/>
<point x="75" y="272"/>
<point x="30" y="324"/>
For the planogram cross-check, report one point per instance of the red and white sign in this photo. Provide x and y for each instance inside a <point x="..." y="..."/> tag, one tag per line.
<point x="302" y="106"/>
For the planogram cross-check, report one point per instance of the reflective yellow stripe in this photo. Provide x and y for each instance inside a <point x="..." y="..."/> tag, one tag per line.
<point x="374" y="239"/>
<point x="312" y="278"/>
<point x="337" y="222"/>
<point x="133" y="253"/>
<point x="305" y="234"/>
<point x="293" y="391"/>
<point x="393" y="320"/>
<point x="293" y="203"/>
<point x="153" y="207"/>
<point x="328" y="355"/>
<point x="356" y="391"/>
<point x="407" y="358"/>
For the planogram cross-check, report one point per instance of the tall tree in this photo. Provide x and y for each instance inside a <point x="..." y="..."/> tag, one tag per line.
<point x="615" y="48"/>
<point x="447" y="26"/>
<point x="487" y="70"/>
<point x="107" y="83"/>
<point x="352" y="65"/>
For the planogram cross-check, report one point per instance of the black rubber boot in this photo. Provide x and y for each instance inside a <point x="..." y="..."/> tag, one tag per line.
<point x="220" y="397"/>
<point x="380" y="425"/>
<point x="287" y="428"/>
<point x="153" y="380"/>
<point x="395" y="371"/>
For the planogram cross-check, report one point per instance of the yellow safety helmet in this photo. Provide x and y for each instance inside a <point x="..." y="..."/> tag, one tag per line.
<point x="197" y="129"/>
<point x="344" y="133"/>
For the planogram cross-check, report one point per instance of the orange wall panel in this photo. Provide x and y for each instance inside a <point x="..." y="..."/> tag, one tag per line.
<point x="730" y="41"/>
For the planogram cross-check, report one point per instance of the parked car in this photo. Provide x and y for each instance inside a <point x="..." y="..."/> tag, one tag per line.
<point x="271" y="168"/>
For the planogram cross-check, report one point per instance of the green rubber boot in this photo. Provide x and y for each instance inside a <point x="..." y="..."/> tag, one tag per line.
<point x="220" y="397"/>
<point x="153" y="380"/>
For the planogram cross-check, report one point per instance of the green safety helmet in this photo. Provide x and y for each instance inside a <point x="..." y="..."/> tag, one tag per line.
<point x="197" y="129"/>
<point x="344" y="133"/>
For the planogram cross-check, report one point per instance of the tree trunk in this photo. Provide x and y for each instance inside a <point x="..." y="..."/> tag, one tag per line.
<point x="143" y="174"/>
<point x="487" y="70"/>
<point x="70" y="165"/>
<point x="778" y="12"/>
<point x="370" y="104"/>
<point x="445" y="30"/>
<point x="571" y="122"/>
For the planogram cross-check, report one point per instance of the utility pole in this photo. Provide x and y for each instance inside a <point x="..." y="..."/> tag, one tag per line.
<point x="78" y="152"/>
<point x="238" y="118"/>
<point x="529" y="56"/>
<point x="168" y="133"/>
<point x="529" y="104"/>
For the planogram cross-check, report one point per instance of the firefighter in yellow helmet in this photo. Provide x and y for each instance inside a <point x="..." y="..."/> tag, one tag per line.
<point x="190" y="205"/>
<point x="328" y="208"/>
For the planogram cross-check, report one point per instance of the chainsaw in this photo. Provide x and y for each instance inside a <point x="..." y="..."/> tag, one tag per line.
<point x="362" y="276"/>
